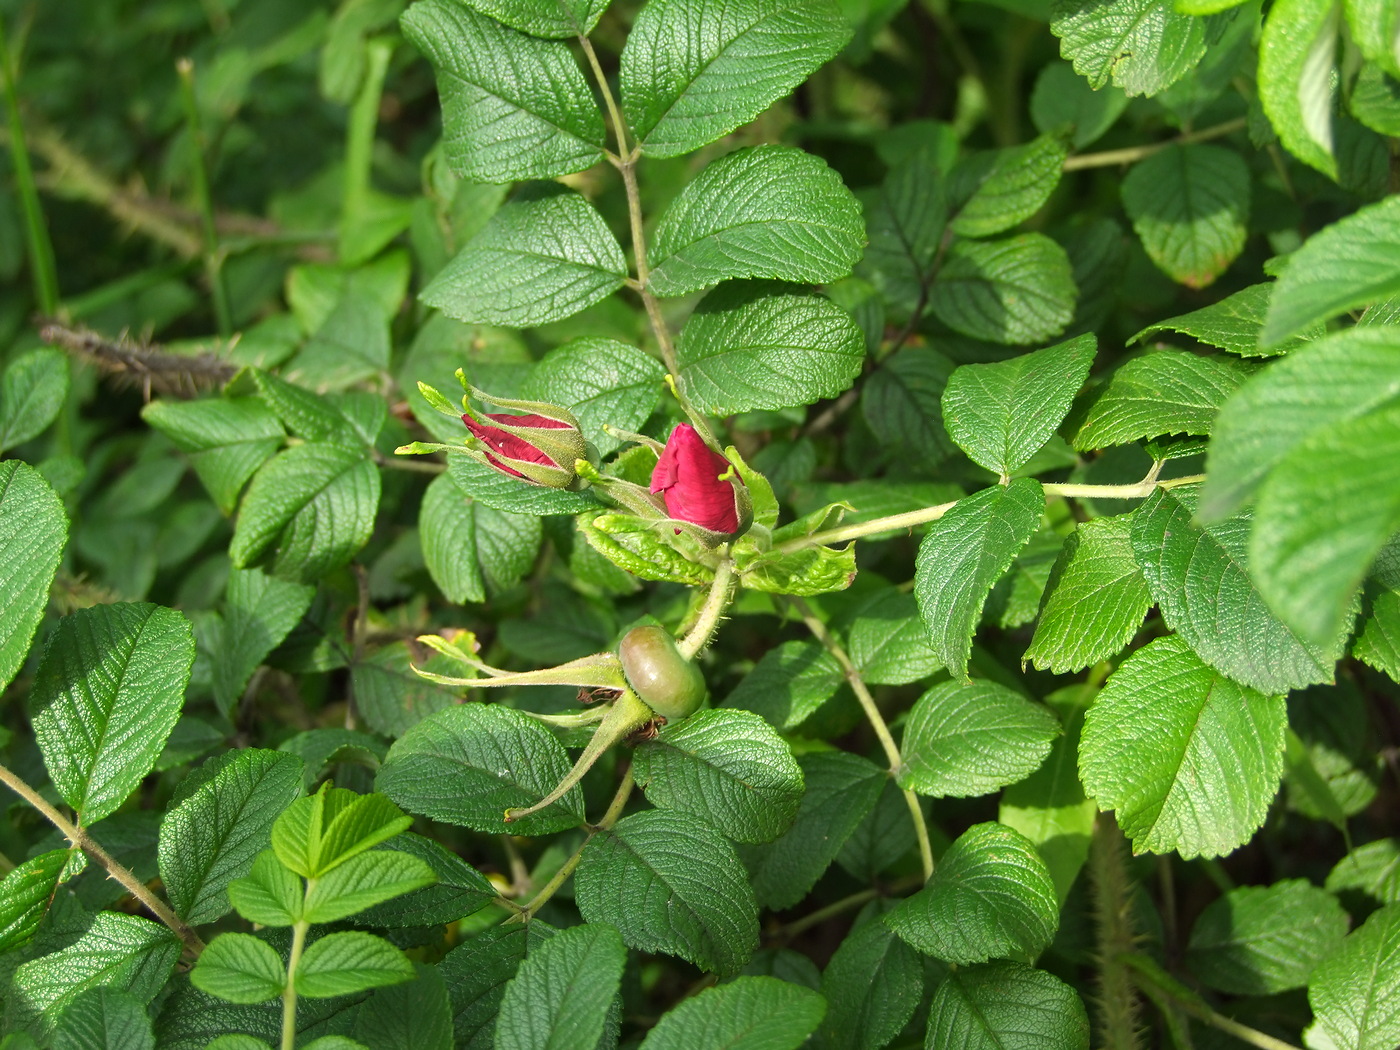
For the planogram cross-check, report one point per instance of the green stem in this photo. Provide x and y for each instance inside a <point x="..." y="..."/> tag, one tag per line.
<point x="289" y="994"/>
<point x="79" y="838"/>
<point x="716" y="602"/>
<point x="359" y="143"/>
<point x="199" y="172"/>
<point x="909" y="519"/>
<point x="625" y="161"/>
<point x="1113" y="157"/>
<point x="611" y="817"/>
<point x="1163" y="988"/>
<point x="43" y="269"/>
<point x="877" y="722"/>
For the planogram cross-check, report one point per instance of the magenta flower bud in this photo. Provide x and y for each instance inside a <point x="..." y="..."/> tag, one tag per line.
<point x="511" y="446"/>
<point x="700" y="486"/>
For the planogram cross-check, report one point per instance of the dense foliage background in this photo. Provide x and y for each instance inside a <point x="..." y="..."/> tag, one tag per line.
<point x="1052" y="349"/>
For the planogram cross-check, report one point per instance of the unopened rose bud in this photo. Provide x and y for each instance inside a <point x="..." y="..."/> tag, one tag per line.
<point x="700" y="486"/>
<point x="540" y="445"/>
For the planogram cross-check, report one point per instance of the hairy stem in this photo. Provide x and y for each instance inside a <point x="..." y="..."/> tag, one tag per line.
<point x="1109" y="158"/>
<point x="877" y="722"/>
<point x="83" y="841"/>
<point x="42" y="268"/>
<point x="1117" y="1002"/>
<point x="716" y="602"/>
<point x="611" y="817"/>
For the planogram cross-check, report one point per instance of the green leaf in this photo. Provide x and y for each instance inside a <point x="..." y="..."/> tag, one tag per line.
<point x="391" y="696"/>
<point x="351" y="346"/>
<point x="754" y="345"/>
<point x="1002" y="188"/>
<point x="693" y="71"/>
<point x="31" y="395"/>
<point x="970" y="738"/>
<point x="476" y="973"/>
<point x="1049" y="806"/>
<point x="811" y="570"/>
<point x="118" y="951"/>
<point x="1372" y="24"/>
<point x="905" y="222"/>
<point x="1327" y="508"/>
<point x="788" y="684"/>
<point x="210" y="837"/>
<point x="727" y="767"/>
<point x="106" y="696"/>
<point x="872" y="985"/>
<point x="467" y="765"/>
<point x="1296" y="57"/>
<point x="1355" y="992"/>
<point x="447" y="531"/>
<point x="672" y="884"/>
<point x="25" y="893"/>
<point x="1233" y="324"/>
<point x="1162" y="392"/>
<point x="1343" y="377"/>
<point x="416" y="1015"/>
<point x="308" y="511"/>
<point x="635" y="545"/>
<point x="513" y="107"/>
<point x="1001" y="413"/>
<point x="1061" y="97"/>
<point x="322" y="831"/>
<point x="1378" y="644"/>
<point x="600" y="381"/>
<point x="104" y="1019"/>
<point x="1016" y="290"/>
<point x="1372" y="869"/>
<point x="499" y="491"/>
<point x="459" y="890"/>
<point x="240" y="968"/>
<point x="1188" y="759"/>
<point x="769" y="211"/>
<point x="1260" y="940"/>
<point x="346" y="963"/>
<point x="1142" y="46"/>
<point x="902" y="404"/>
<point x="259" y="612"/>
<point x="963" y="554"/>
<point x="1353" y="262"/>
<point x="990" y="896"/>
<point x="1006" y="1005"/>
<point x="544" y="256"/>
<point x="747" y="1012"/>
<point x="1190" y="206"/>
<point x="364" y="881"/>
<point x="33" y="531"/>
<point x="305" y="413"/>
<point x="270" y="894"/>
<point x="1199" y="578"/>
<point x="1095" y="599"/>
<point x="237" y="1041"/>
<point x="841" y="790"/>
<point x="559" y="999"/>
<point x="888" y="644"/>
<point x="883" y="839"/>
<point x="547" y="18"/>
